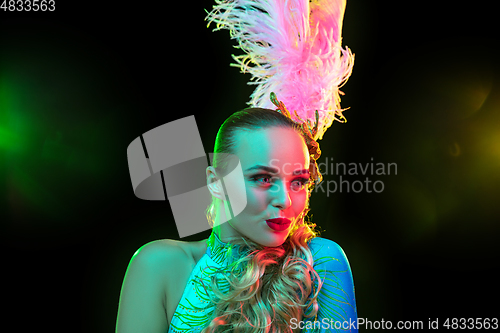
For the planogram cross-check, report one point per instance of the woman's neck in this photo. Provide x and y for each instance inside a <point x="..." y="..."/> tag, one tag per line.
<point x="225" y="232"/>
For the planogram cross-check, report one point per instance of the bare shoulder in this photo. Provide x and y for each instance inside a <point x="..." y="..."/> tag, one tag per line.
<point x="168" y="252"/>
<point x="161" y="252"/>
<point x="149" y="295"/>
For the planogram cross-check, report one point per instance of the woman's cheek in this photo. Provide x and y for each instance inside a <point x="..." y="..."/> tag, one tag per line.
<point x="299" y="202"/>
<point x="256" y="199"/>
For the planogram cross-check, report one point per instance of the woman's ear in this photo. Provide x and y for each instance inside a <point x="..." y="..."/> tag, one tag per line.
<point x="214" y="184"/>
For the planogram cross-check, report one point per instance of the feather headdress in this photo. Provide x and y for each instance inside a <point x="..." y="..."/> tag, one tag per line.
<point x="292" y="48"/>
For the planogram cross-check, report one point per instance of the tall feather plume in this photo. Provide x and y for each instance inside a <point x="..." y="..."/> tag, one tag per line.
<point x="292" y="48"/>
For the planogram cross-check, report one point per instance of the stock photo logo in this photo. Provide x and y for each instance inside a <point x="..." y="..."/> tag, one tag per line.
<point x="346" y="176"/>
<point x="170" y="162"/>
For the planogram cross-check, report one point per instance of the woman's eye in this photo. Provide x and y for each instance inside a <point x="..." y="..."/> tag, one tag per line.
<point x="262" y="179"/>
<point x="299" y="184"/>
<point x="268" y="180"/>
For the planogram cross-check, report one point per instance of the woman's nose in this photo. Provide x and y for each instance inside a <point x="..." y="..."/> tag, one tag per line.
<point x="281" y="196"/>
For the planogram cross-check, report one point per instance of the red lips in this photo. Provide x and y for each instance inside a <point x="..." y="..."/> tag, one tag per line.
<point x="278" y="224"/>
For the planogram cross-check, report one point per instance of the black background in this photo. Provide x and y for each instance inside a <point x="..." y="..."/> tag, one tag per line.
<point x="79" y="84"/>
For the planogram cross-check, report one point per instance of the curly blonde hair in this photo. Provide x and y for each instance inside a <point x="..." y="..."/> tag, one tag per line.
<point x="268" y="286"/>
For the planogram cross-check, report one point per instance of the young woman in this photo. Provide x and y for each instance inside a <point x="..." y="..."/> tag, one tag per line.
<point x="264" y="270"/>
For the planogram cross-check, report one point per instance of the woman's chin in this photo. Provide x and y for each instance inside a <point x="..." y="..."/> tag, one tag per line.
<point x="277" y="239"/>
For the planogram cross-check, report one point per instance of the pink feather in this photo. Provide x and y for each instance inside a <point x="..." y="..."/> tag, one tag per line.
<point x="292" y="48"/>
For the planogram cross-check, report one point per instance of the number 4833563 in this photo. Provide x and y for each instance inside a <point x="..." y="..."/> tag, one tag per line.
<point x="471" y="323"/>
<point x="28" y="5"/>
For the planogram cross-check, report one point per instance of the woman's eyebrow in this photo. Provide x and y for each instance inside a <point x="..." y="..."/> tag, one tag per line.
<point x="301" y="172"/>
<point x="263" y="167"/>
<point x="276" y="170"/>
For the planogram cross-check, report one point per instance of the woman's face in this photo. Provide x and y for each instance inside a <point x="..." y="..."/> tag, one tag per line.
<point x="275" y="164"/>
